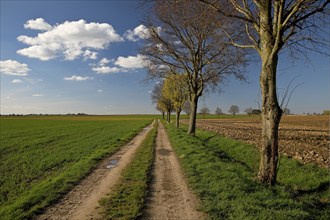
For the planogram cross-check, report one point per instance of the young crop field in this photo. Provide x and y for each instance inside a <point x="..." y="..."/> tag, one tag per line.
<point x="41" y="157"/>
<point x="305" y="138"/>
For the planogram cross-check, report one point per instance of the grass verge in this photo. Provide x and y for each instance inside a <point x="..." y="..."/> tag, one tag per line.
<point x="127" y="200"/>
<point x="222" y="172"/>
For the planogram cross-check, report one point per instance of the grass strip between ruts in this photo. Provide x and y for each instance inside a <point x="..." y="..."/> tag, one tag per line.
<point x="222" y="172"/>
<point x="127" y="200"/>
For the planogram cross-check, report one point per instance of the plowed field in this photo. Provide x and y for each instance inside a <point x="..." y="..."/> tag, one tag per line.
<point x="305" y="138"/>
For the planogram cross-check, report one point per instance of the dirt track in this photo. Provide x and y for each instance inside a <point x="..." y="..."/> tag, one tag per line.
<point x="82" y="201"/>
<point x="170" y="197"/>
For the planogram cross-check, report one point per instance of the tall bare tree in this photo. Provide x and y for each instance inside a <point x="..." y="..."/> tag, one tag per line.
<point x="190" y="42"/>
<point x="271" y="26"/>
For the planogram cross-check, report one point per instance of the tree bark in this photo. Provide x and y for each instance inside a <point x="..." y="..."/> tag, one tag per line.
<point x="192" y="121"/>
<point x="163" y="115"/>
<point x="271" y="116"/>
<point x="177" y="122"/>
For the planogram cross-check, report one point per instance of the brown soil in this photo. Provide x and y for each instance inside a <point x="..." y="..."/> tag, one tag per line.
<point x="305" y="138"/>
<point x="82" y="201"/>
<point x="170" y="197"/>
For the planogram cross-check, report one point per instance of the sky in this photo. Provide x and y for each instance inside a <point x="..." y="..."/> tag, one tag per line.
<point x="60" y="57"/>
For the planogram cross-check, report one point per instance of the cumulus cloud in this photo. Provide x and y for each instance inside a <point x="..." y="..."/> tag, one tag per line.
<point x="104" y="62"/>
<point x="140" y="32"/>
<point x="130" y="62"/>
<point x="38" y="24"/>
<point x="90" y="55"/>
<point x="77" y="78"/>
<point x="16" y="81"/>
<point x="121" y="64"/>
<point x="12" y="67"/>
<point x="71" y="40"/>
<point x="106" y="69"/>
<point x="37" y="95"/>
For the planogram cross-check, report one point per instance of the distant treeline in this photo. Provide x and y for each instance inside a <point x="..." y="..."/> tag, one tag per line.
<point x="68" y="114"/>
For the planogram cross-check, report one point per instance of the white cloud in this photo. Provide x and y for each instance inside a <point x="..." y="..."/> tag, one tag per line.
<point x="140" y="32"/>
<point x="130" y="62"/>
<point x="16" y="81"/>
<point x="12" y="67"/>
<point x="106" y="69"/>
<point x="104" y="61"/>
<point x="77" y="78"/>
<point x="100" y="90"/>
<point x="38" y="24"/>
<point x="122" y="64"/>
<point x="90" y="55"/>
<point x="70" y="40"/>
<point x="37" y="95"/>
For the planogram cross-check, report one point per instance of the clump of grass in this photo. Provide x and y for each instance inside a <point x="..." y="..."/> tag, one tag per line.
<point x="127" y="200"/>
<point x="222" y="172"/>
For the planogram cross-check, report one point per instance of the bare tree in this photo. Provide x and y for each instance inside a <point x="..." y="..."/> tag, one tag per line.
<point x="233" y="109"/>
<point x="204" y="111"/>
<point x="271" y="26"/>
<point x="190" y="42"/>
<point x="218" y="111"/>
<point x="248" y="111"/>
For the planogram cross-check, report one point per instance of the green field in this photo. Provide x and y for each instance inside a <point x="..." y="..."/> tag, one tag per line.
<point x="42" y="157"/>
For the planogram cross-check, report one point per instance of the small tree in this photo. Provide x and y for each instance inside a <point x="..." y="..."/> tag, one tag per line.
<point x="218" y="111"/>
<point x="162" y="101"/>
<point x="204" y="111"/>
<point x="176" y="90"/>
<point x="248" y="111"/>
<point x="233" y="109"/>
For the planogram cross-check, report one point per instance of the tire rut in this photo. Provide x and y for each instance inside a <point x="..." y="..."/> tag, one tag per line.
<point x="169" y="196"/>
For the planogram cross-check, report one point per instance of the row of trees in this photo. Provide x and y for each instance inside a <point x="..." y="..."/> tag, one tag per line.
<point x="171" y="95"/>
<point x="209" y="40"/>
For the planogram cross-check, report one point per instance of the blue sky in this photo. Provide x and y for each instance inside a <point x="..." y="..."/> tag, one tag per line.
<point x="82" y="56"/>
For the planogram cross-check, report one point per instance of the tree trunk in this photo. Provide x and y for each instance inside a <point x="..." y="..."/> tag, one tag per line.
<point x="177" y="122"/>
<point x="163" y="117"/>
<point x="271" y="116"/>
<point x="168" y="116"/>
<point x="192" y="121"/>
